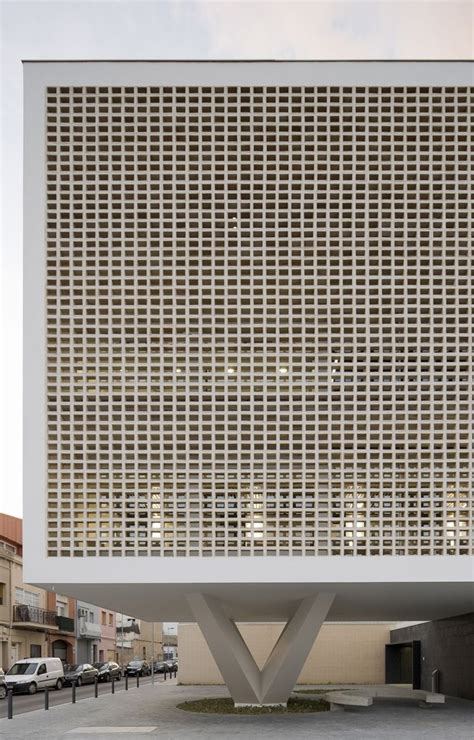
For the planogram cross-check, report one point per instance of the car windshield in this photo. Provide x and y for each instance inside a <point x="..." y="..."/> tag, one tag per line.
<point x="99" y="665"/>
<point x="20" y="669"/>
<point x="70" y="668"/>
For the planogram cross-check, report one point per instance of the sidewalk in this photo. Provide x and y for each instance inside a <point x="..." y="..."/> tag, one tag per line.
<point x="150" y="712"/>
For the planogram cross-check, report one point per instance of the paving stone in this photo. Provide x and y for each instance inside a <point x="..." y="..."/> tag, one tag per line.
<point x="155" y="707"/>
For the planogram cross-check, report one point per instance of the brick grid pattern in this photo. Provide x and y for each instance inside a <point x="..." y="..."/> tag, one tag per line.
<point x="259" y="321"/>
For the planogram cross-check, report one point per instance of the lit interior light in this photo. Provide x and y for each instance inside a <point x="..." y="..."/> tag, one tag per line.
<point x="178" y="370"/>
<point x="230" y="370"/>
<point x="283" y="370"/>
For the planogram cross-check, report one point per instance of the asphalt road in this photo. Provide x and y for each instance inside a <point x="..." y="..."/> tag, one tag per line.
<point x="26" y="703"/>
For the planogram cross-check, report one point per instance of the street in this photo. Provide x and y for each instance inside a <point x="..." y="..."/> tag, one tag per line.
<point x="26" y="703"/>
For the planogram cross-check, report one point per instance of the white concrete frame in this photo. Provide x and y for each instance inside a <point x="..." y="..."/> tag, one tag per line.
<point x="410" y="587"/>
<point x="248" y="685"/>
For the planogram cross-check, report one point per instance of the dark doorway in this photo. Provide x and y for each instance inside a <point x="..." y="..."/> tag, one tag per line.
<point x="60" y="650"/>
<point x="403" y="663"/>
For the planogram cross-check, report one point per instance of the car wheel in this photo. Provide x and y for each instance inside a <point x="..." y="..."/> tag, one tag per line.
<point x="107" y="676"/>
<point x="32" y="688"/>
<point x="79" y="681"/>
<point x="3" y="691"/>
<point x="59" y="684"/>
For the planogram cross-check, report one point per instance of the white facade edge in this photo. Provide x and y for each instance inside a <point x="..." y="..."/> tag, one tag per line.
<point x="205" y="570"/>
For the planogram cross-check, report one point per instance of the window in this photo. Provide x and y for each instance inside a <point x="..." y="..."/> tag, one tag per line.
<point x="61" y="607"/>
<point x="103" y="618"/>
<point x="29" y="598"/>
<point x="42" y="669"/>
<point x="35" y="651"/>
<point x="111" y="620"/>
<point x="2" y="594"/>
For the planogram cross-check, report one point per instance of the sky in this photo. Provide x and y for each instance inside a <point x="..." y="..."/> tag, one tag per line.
<point x="137" y="29"/>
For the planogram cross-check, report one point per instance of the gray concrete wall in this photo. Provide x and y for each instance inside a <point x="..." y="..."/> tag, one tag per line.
<point x="446" y="644"/>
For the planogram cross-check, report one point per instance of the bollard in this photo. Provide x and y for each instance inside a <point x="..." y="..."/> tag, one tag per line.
<point x="10" y="703"/>
<point x="96" y="687"/>
<point x="175" y="671"/>
<point x="74" y="691"/>
<point x="126" y="682"/>
<point x="138" y="680"/>
<point x="164" y="672"/>
<point x="46" y="697"/>
<point x="112" y="684"/>
<point x="435" y="681"/>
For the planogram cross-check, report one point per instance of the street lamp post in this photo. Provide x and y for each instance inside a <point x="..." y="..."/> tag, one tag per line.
<point x="153" y="652"/>
<point x="121" y="648"/>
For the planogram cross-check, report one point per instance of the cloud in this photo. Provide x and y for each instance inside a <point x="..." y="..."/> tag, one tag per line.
<point x="339" y="30"/>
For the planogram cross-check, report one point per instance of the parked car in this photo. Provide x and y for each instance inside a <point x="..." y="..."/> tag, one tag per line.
<point x="108" y="670"/>
<point x="160" y="666"/>
<point x="140" y="667"/>
<point x="3" y="685"/>
<point x="33" y="674"/>
<point x="80" y="673"/>
<point x="172" y="665"/>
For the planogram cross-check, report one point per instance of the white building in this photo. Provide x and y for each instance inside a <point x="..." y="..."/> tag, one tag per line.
<point x="248" y="345"/>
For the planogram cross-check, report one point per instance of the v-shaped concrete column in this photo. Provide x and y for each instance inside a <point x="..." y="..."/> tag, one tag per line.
<point x="246" y="683"/>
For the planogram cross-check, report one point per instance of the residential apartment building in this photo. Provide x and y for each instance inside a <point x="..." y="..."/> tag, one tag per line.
<point x="170" y="641"/>
<point x="107" y="644"/>
<point x="149" y="642"/>
<point x="127" y="630"/>
<point x="248" y="345"/>
<point x="33" y="622"/>
<point x="137" y="639"/>
<point x="88" y="632"/>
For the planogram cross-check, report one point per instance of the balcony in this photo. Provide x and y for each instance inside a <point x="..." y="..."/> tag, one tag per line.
<point x="32" y="617"/>
<point x="126" y="644"/>
<point x="65" y="624"/>
<point x="89" y="630"/>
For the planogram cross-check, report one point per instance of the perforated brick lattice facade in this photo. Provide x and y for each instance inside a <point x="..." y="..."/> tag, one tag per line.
<point x="259" y="321"/>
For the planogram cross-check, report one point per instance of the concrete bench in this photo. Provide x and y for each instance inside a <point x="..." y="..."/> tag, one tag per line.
<point x="404" y="692"/>
<point x="364" y="697"/>
<point x="340" y="699"/>
<point x="434" y="698"/>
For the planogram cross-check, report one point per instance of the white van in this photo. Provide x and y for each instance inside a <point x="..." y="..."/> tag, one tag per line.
<point x="33" y="674"/>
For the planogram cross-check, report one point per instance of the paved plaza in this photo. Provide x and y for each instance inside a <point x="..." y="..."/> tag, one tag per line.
<point x="150" y="712"/>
